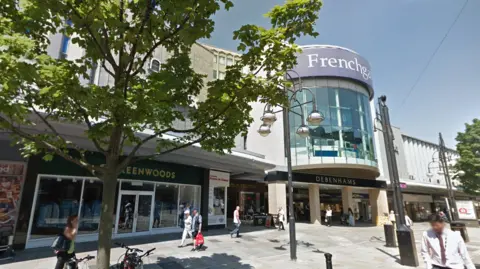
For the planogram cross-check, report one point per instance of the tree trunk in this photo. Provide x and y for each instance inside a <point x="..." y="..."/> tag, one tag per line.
<point x="106" y="220"/>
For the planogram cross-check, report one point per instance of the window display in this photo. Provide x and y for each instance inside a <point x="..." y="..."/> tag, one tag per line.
<point x="189" y="198"/>
<point x="57" y="199"/>
<point x="166" y="205"/>
<point x="91" y="207"/>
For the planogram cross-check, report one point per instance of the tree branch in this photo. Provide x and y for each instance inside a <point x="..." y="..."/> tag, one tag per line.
<point x="89" y="125"/>
<point x="158" y="43"/>
<point x="105" y="51"/>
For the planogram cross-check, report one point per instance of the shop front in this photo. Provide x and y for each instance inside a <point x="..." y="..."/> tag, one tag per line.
<point x="251" y="196"/>
<point x="418" y="207"/>
<point x="314" y="193"/>
<point x="150" y="199"/>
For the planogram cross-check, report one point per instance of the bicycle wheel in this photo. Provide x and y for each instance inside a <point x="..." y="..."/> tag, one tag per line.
<point x="120" y="262"/>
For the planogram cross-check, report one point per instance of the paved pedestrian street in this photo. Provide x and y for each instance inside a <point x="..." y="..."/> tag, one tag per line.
<point x="351" y="247"/>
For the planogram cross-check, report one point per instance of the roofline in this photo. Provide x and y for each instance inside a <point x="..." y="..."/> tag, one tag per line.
<point x="427" y="142"/>
<point x="210" y="47"/>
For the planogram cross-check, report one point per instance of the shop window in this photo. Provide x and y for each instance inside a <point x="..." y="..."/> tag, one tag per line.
<point x="216" y="210"/>
<point x="166" y="206"/>
<point x="91" y="207"/>
<point x="57" y="199"/>
<point x="189" y="198"/>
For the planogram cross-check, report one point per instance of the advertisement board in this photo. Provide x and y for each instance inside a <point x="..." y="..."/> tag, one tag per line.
<point x="12" y="176"/>
<point x="217" y="197"/>
<point x="466" y="210"/>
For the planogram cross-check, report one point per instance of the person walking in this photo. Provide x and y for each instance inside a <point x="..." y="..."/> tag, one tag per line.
<point x="196" y="229"/>
<point x="408" y="220"/>
<point x="328" y="216"/>
<point x="443" y="248"/>
<point x="281" y="219"/>
<point x="391" y="217"/>
<point x="236" y="222"/>
<point x="351" y="217"/>
<point x="70" y="233"/>
<point x="187" y="230"/>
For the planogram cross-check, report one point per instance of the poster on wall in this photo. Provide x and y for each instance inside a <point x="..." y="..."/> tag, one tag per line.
<point x="219" y="181"/>
<point x="11" y="181"/>
<point x="466" y="210"/>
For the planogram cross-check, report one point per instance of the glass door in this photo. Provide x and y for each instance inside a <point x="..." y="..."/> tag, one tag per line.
<point x="143" y="212"/>
<point x="126" y="221"/>
<point x="135" y="212"/>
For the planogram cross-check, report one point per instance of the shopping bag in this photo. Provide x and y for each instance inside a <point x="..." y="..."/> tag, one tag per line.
<point x="60" y="243"/>
<point x="200" y="240"/>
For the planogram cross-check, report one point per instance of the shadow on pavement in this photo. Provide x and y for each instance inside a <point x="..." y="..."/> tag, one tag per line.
<point x="46" y="252"/>
<point x="216" y="260"/>
<point x="397" y="260"/>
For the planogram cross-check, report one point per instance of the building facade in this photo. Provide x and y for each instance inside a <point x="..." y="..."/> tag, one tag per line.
<point x="336" y="165"/>
<point x="424" y="188"/>
<point x="151" y="196"/>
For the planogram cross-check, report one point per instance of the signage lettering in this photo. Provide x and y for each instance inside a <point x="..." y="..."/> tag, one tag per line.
<point x="353" y="65"/>
<point x="336" y="180"/>
<point x="138" y="171"/>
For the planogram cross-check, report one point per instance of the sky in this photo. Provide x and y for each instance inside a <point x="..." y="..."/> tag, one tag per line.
<point x="398" y="38"/>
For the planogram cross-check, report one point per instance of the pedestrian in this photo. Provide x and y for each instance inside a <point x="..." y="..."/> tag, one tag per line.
<point x="408" y="220"/>
<point x="187" y="230"/>
<point x="443" y="248"/>
<point x="196" y="229"/>
<point x="351" y="218"/>
<point x="328" y="216"/>
<point x="281" y="219"/>
<point x="236" y="222"/>
<point x="70" y="233"/>
<point x="391" y="217"/>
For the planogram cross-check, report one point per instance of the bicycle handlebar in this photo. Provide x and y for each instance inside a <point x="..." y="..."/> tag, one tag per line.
<point x="128" y="248"/>
<point x="87" y="258"/>
<point x="148" y="252"/>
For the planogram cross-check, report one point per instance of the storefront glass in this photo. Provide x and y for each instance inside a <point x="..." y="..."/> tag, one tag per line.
<point x="346" y="132"/>
<point x="57" y="199"/>
<point x="166" y="206"/>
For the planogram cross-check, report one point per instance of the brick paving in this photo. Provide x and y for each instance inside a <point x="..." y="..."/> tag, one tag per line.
<point x="351" y="247"/>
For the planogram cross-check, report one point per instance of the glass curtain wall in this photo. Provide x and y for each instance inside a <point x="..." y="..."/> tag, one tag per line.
<point x="346" y="134"/>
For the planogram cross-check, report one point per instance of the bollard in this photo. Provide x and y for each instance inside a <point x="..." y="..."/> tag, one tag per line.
<point x="328" y="260"/>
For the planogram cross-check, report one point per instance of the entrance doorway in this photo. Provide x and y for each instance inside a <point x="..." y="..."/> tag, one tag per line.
<point x="135" y="214"/>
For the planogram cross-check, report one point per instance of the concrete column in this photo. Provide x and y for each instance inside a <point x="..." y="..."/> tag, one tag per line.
<point x="277" y="197"/>
<point x="347" y="199"/>
<point x="314" y="203"/>
<point x="379" y="205"/>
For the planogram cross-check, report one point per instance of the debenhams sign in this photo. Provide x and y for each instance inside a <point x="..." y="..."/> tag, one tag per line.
<point x="336" y="180"/>
<point x="333" y="62"/>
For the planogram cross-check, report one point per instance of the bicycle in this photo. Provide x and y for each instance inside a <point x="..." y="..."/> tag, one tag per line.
<point x="74" y="262"/>
<point x="132" y="258"/>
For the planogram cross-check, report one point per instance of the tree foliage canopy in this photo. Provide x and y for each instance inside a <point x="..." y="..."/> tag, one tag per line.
<point x="468" y="147"/>
<point x="136" y="107"/>
<point x="120" y="36"/>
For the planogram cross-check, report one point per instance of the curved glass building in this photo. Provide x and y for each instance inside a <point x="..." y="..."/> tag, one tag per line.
<point x="335" y="166"/>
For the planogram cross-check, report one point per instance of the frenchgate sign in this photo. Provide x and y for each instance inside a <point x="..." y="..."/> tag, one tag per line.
<point x="324" y="61"/>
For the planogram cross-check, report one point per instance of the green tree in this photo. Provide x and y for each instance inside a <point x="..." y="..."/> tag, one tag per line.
<point x="468" y="147"/>
<point x="120" y="37"/>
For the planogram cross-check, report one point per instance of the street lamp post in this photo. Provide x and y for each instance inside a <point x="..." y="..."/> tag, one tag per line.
<point x="269" y="118"/>
<point x="405" y="237"/>
<point x="443" y="159"/>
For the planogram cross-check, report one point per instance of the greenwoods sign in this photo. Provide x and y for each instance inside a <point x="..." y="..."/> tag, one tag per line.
<point x="149" y="172"/>
<point x="144" y="170"/>
<point x="330" y="180"/>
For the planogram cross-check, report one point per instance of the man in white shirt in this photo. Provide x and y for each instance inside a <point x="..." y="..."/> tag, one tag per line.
<point x="443" y="248"/>
<point x="236" y="222"/>
<point x="187" y="228"/>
